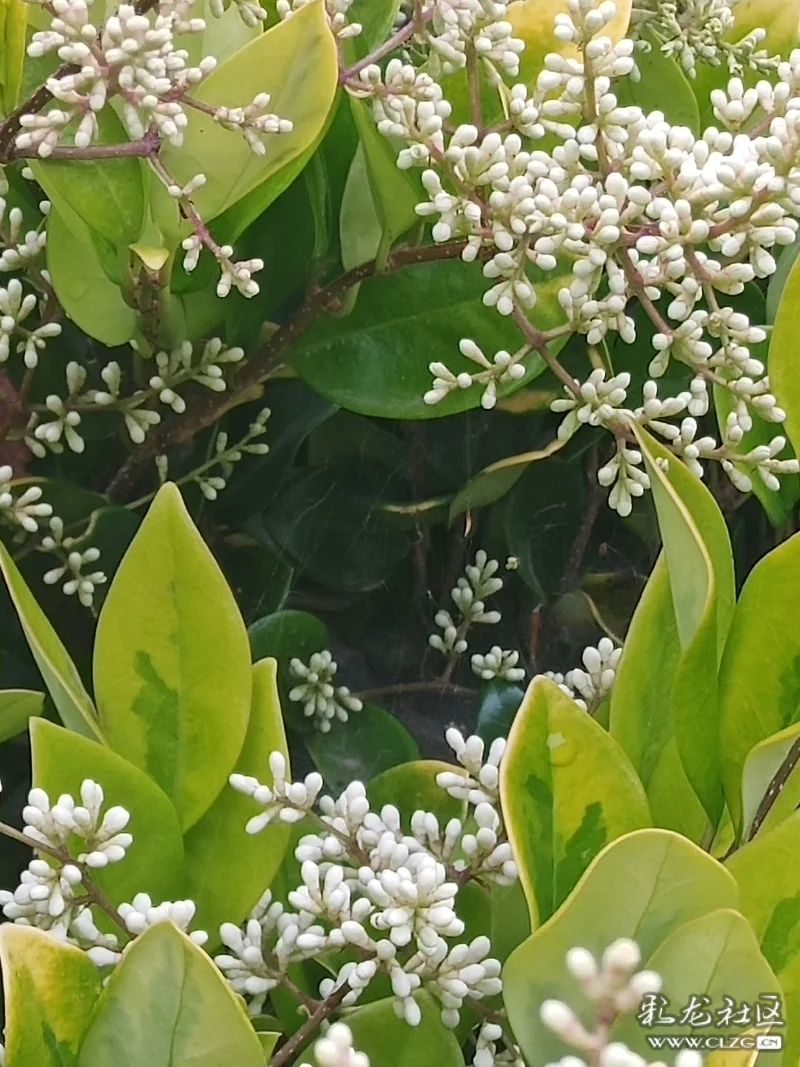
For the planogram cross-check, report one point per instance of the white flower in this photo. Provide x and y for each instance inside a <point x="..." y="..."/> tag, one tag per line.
<point x="287" y="801"/>
<point x="482" y="781"/>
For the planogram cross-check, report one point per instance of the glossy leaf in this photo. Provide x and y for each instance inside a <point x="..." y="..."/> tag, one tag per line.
<point x="641" y="708"/>
<point x="374" y="361"/>
<point x="783" y="376"/>
<point x="17" y="707"/>
<point x="295" y="62"/>
<point x="154" y="862"/>
<point x="643" y="886"/>
<point x="84" y="290"/>
<point x="59" y="673"/>
<point x="284" y="636"/>
<point x="567" y="789"/>
<point x="498" y="706"/>
<point x="769" y="883"/>
<point x="50" y="989"/>
<point x="494" y="481"/>
<point x="226" y="891"/>
<point x="107" y="194"/>
<point x="167" y="1004"/>
<point x="172" y="661"/>
<point x="370" y="742"/>
<point x="412" y="786"/>
<point x="759" y="685"/>
<point x="376" y="1028"/>
<point x="663" y="86"/>
<point x="698" y="554"/>
<point x="13" y="21"/>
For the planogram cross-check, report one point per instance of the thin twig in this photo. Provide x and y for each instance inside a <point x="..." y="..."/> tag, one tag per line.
<point x="286" y="1053"/>
<point x="436" y="685"/>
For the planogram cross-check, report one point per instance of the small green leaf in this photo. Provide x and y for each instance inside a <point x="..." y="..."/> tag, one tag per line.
<point x="172" y="662"/>
<point x="17" y="706"/>
<point x="226" y="892"/>
<point x="154" y="862"/>
<point x="759" y="683"/>
<point x="295" y="62"/>
<point x="412" y="786"/>
<point x="50" y="989"/>
<point x="359" y="226"/>
<point x="371" y="741"/>
<point x="13" y="23"/>
<point x="167" y="1004"/>
<point x="59" y="673"/>
<point x="700" y="564"/>
<point x="374" y="361"/>
<point x="494" y="481"/>
<point x="769" y="882"/>
<point x="567" y="790"/>
<point x="497" y="708"/>
<point x="284" y="636"/>
<point x="84" y="290"/>
<point x="376" y="1029"/>
<point x="106" y="194"/>
<point x="643" y="886"/>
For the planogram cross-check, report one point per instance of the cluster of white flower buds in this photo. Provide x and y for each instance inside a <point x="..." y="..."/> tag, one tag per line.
<point x="335" y="1049"/>
<point x="368" y="883"/>
<point x="469" y="595"/>
<point x="497" y="663"/>
<point x="591" y="684"/>
<point x="636" y="209"/>
<point x="615" y="988"/>
<point x="323" y="702"/>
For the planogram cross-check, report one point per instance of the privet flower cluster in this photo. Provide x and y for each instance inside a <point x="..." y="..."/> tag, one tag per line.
<point x="385" y="892"/>
<point x="626" y="207"/>
<point x="615" y="987"/>
<point x="591" y="684"/>
<point x="323" y="702"/>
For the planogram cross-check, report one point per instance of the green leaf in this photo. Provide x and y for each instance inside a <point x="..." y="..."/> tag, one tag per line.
<point x="376" y="17"/>
<point x="777" y="281"/>
<point x="167" y="1004"/>
<point x="376" y="1029"/>
<point x="17" y="706"/>
<point x="59" y="673"/>
<point x="296" y="63"/>
<point x="371" y="741"/>
<point x="763" y="762"/>
<point x="374" y="361"/>
<point x="222" y="37"/>
<point x="567" y="789"/>
<point x="227" y="891"/>
<point x="494" y="481"/>
<point x="783" y="377"/>
<point x="172" y="661"/>
<point x="284" y="636"/>
<point x="394" y="195"/>
<point x="698" y="554"/>
<point x="359" y="226"/>
<point x="412" y="786"/>
<point x="50" y="989"/>
<point x="13" y="23"/>
<point x="714" y="955"/>
<point x="84" y="290"/>
<point x="154" y="862"/>
<point x="662" y="87"/>
<point x="643" y="886"/>
<point x="759" y="682"/>
<point x="642" y="706"/>
<point x="497" y="708"/>
<point x="107" y="194"/>
<point x="769" y="883"/>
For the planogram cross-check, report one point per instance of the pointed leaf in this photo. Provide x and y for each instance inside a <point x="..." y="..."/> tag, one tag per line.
<point x="59" y="673"/>
<point x="295" y="62"/>
<point x="166" y="1005"/>
<point x="567" y="790"/>
<point x="172" y="661"/>
<point x="154" y="862"/>
<point x="494" y="481"/>
<point x="763" y="762"/>
<point x="50" y="989"/>
<point x="17" y="706"/>
<point x="226" y="892"/>
<point x="13" y="22"/>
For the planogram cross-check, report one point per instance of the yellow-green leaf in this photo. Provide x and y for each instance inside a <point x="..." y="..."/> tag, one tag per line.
<point x="567" y="790"/>
<point x="376" y="1029"/>
<point x="643" y="886"/>
<point x="172" y="661"/>
<point x="296" y="63"/>
<point x="59" y="673"/>
<point x="17" y="706"/>
<point x="154" y="862"/>
<point x="13" y="23"/>
<point x="784" y="364"/>
<point x="763" y="762"/>
<point x="759" y="686"/>
<point x="50" y="989"/>
<point x="225" y="892"/>
<point x="700" y="564"/>
<point x="167" y="1004"/>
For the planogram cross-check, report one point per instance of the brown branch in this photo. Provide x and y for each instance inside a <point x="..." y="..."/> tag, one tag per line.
<point x="204" y="408"/>
<point x="537" y="340"/>
<point x="773" y="791"/>
<point x="286" y="1053"/>
<point x="436" y="685"/>
<point x="144" y="147"/>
